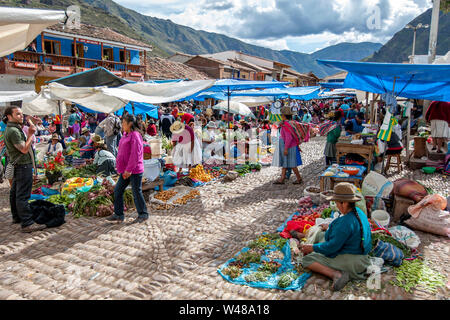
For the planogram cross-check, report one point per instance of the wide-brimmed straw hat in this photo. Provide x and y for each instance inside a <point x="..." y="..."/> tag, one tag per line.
<point x="211" y="125"/>
<point x="177" y="127"/>
<point x="287" y="111"/>
<point x="84" y="130"/>
<point x="345" y="192"/>
<point x="55" y="136"/>
<point x="96" y="138"/>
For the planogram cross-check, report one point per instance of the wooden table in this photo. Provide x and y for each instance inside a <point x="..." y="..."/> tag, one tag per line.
<point x="356" y="179"/>
<point x="366" y="151"/>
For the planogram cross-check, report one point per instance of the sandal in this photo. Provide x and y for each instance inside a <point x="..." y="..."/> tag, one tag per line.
<point x="279" y="182"/>
<point x="298" y="181"/>
<point x="340" y="283"/>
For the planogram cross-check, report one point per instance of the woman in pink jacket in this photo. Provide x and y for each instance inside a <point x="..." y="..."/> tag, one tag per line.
<point x="289" y="152"/>
<point x="130" y="167"/>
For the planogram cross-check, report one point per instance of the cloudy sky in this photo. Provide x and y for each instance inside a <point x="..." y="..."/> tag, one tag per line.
<point x="298" y="25"/>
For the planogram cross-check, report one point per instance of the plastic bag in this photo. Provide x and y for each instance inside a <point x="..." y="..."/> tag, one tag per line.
<point x="435" y="201"/>
<point x="405" y="236"/>
<point x="376" y="184"/>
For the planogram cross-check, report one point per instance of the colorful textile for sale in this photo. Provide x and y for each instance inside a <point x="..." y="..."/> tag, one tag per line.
<point x="274" y="269"/>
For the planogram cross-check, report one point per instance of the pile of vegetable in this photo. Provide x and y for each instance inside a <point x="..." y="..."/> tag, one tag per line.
<point x="417" y="274"/>
<point x="232" y="272"/>
<point x="270" y="266"/>
<point x="60" y="199"/>
<point x="99" y="201"/>
<point x="258" y="276"/>
<point x="267" y="241"/>
<point x="88" y="171"/>
<point x="198" y="173"/>
<point x="286" y="279"/>
<point x="326" y="213"/>
<point x="248" y="257"/>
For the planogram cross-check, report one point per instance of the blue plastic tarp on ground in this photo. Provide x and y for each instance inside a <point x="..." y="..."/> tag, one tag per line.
<point x="414" y="81"/>
<point x="272" y="281"/>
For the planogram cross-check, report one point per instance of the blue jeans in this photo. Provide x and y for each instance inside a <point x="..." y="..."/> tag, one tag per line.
<point x="136" y="186"/>
<point x="20" y="193"/>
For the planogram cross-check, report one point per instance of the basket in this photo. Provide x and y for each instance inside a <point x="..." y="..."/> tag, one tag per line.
<point x="314" y="193"/>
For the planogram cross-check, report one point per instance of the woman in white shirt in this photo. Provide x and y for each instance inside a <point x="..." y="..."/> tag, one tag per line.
<point x="55" y="146"/>
<point x="104" y="160"/>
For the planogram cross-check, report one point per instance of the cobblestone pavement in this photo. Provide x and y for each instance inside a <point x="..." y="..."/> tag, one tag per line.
<point x="176" y="253"/>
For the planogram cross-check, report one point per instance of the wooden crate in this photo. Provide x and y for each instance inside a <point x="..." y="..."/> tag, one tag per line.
<point x="401" y="205"/>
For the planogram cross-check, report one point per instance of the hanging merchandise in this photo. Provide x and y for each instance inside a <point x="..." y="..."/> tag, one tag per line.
<point x="386" y="128"/>
<point x="391" y="101"/>
<point x="275" y="112"/>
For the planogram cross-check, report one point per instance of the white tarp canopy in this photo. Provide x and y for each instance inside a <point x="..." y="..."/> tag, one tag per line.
<point x="235" y="107"/>
<point x="155" y="93"/>
<point x="252" y="101"/>
<point x="10" y="96"/>
<point x="19" y="26"/>
<point x="104" y="99"/>
<point x="43" y="105"/>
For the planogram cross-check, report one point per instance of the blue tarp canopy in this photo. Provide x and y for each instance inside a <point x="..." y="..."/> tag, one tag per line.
<point x="222" y="87"/>
<point x="139" y="108"/>
<point x="332" y="85"/>
<point x="414" y="81"/>
<point x="299" y="93"/>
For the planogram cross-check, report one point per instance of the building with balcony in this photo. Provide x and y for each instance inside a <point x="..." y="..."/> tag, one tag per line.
<point x="59" y="52"/>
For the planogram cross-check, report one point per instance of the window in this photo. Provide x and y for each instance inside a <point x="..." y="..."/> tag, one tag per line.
<point x="52" y="47"/>
<point x="108" y="54"/>
<point x="80" y="50"/>
<point x="124" y="56"/>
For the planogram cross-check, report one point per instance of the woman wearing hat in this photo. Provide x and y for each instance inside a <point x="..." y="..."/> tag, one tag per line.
<point x="55" y="146"/>
<point x="341" y="253"/>
<point x="104" y="160"/>
<point x="289" y="152"/>
<point x="187" y="151"/>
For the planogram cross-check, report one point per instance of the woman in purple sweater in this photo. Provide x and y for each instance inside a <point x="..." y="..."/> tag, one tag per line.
<point x="130" y="167"/>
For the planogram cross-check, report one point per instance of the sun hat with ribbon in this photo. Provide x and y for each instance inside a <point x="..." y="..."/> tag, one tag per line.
<point x="345" y="192"/>
<point x="177" y="127"/>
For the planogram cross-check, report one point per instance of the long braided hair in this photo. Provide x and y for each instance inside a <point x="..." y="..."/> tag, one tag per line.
<point x="353" y="206"/>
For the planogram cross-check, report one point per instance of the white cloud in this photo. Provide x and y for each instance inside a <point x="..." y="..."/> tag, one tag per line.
<point x="287" y="24"/>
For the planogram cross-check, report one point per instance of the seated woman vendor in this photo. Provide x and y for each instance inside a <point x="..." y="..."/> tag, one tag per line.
<point x="355" y="125"/>
<point x="54" y="146"/>
<point x="341" y="253"/>
<point x="104" y="160"/>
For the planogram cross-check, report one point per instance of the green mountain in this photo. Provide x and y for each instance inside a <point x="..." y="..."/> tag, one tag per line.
<point x="399" y="48"/>
<point x="167" y="37"/>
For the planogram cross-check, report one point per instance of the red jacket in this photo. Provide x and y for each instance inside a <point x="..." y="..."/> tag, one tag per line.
<point x="438" y="110"/>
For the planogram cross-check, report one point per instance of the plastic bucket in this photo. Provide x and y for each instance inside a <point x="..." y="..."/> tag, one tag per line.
<point x="381" y="217"/>
<point x="152" y="169"/>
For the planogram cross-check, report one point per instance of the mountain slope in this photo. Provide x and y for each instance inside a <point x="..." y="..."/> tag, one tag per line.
<point x="399" y="48"/>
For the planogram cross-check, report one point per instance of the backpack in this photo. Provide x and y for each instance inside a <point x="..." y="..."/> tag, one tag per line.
<point x="117" y="126"/>
<point x="297" y="129"/>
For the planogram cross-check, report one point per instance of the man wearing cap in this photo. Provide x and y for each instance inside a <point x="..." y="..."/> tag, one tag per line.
<point x="340" y="251"/>
<point x="54" y="146"/>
